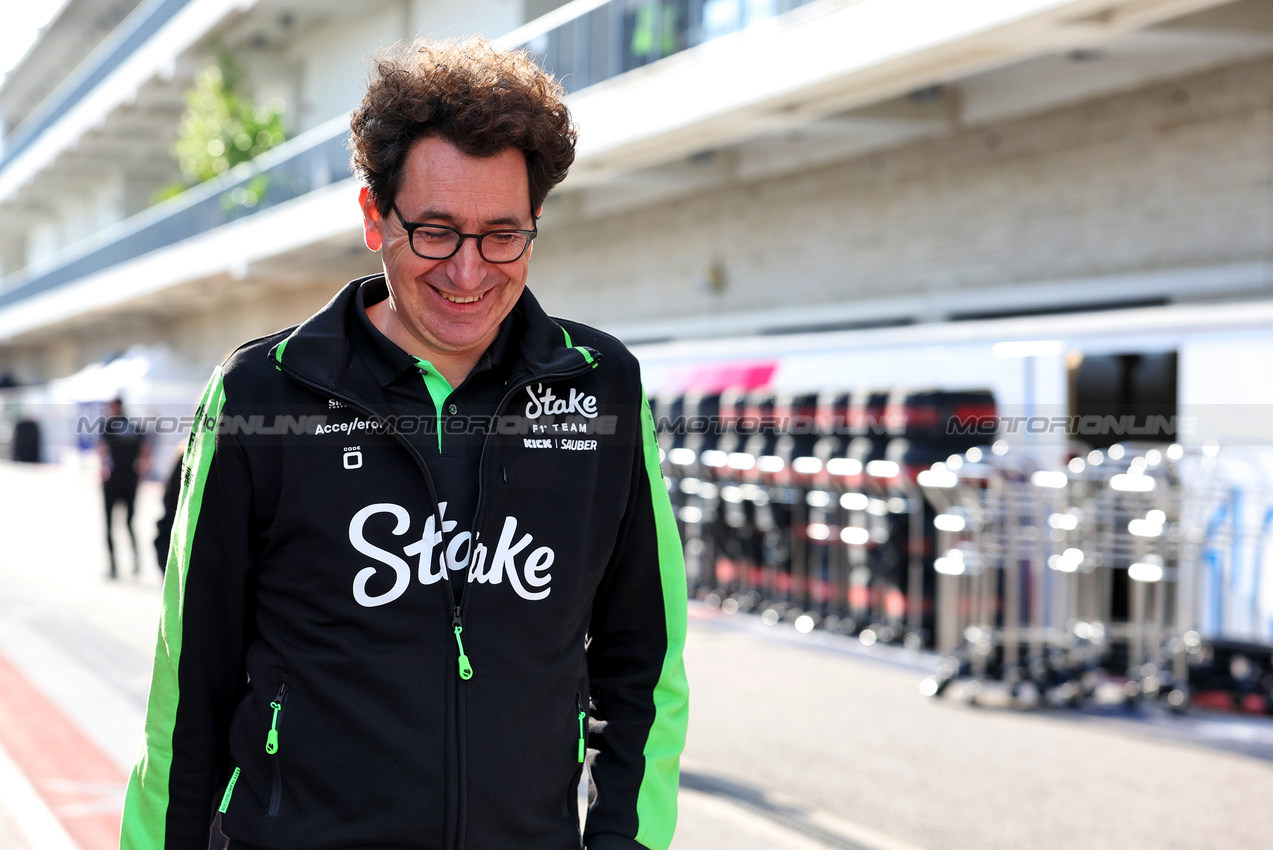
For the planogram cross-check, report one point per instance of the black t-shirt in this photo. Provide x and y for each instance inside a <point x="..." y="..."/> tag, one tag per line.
<point x="123" y="446"/>
<point x="452" y="456"/>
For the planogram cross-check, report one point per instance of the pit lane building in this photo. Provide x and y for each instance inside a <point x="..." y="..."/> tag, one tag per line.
<point x="745" y="167"/>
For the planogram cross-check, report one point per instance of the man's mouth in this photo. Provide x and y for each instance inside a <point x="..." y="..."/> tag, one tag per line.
<point x="457" y="299"/>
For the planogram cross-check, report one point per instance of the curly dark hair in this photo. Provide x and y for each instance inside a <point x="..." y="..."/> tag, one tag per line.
<point x="479" y="98"/>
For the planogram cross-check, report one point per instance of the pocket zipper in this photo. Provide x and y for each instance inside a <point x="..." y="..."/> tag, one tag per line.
<point x="583" y="715"/>
<point x="271" y="747"/>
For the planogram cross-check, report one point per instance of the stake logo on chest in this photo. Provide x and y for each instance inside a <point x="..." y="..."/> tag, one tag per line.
<point x="546" y="403"/>
<point x="437" y="557"/>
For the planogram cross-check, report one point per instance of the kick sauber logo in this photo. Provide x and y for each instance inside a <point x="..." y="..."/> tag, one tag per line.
<point x="436" y="561"/>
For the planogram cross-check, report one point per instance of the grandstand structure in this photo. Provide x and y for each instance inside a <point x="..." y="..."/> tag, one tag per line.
<point x="744" y="167"/>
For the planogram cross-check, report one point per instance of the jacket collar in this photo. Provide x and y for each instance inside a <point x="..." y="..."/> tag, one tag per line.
<point x="319" y="350"/>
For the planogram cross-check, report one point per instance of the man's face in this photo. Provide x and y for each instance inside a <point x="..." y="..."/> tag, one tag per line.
<point x="452" y="306"/>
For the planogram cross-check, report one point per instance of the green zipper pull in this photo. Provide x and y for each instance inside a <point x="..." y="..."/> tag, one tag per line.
<point x="466" y="669"/>
<point x="583" y="715"/>
<point x="271" y="740"/>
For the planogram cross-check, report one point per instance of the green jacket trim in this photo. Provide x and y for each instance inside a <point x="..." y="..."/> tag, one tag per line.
<point x="146" y="800"/>
<point x="587" y="355"/>
<point x="656" y="799"/>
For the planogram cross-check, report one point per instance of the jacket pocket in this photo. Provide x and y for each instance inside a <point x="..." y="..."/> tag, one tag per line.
<point x="277" y="706"/>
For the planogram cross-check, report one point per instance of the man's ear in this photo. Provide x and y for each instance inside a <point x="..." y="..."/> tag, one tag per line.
<point x="530" y="249"/>
<point x="371" y="220"/>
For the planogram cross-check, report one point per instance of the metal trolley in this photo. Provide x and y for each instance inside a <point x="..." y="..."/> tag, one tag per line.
<point x="866" y="513"/>
<point x="1058" y="581"/>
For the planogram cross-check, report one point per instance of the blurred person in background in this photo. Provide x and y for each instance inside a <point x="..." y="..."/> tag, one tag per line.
<point x="125" y="455"/>
<point x="163" y="528"/>
<point x="331" y="673"/>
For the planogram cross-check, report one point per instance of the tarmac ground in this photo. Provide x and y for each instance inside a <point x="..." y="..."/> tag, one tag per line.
<point x="796" y="742"/>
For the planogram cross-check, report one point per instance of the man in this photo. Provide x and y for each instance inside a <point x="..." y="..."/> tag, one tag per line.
<point x="125" y="457"/>
<point x="163" y="526"/>
<point x="381" y="635"/>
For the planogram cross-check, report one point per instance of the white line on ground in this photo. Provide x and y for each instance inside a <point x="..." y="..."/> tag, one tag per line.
<point x="774" y="835"/>
<point x="28" y="811"/>
<point x="851" y="830"/>
<point x="97" y="708"/>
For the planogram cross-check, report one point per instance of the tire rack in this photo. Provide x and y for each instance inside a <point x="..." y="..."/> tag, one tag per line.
<point x="823" y="526"/>
<point x="827" y="536"/>
<point x="1030" y="560"/>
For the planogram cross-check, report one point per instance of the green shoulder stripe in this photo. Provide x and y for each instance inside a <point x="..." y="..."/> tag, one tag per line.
<point x="146" y="801"/>
<point x="587" y="355"/>
<point x="656" y="799"/>
<point x="276" y="353"/>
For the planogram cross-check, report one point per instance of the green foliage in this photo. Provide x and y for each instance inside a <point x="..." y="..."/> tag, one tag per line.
<point x="222" y="127"/>
<point x="248" y="195"/>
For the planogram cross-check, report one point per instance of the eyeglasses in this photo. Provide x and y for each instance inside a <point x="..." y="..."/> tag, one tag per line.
<point x="439" y="242"/>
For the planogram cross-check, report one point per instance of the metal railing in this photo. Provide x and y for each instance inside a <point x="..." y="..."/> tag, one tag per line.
<point x="134" y="31"/>
<point x="603" y="40"/>
<point x="310" y="161"/>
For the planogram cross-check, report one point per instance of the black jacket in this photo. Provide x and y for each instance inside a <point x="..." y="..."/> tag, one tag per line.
<point x="309" y="679"/>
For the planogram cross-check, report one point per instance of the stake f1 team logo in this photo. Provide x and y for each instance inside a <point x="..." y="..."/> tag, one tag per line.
<point x="436" y="561"/>
<point x="546" y="403"/>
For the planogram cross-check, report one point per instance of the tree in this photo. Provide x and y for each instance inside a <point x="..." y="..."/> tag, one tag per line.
<point x="222" y="127"/>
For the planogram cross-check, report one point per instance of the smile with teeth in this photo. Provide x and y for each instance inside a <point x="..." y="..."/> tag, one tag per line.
<point x="455" y="299"/>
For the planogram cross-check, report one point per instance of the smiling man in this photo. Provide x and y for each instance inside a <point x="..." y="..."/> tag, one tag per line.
<point x="424" y="561"/>
<point x="446" y="303"/>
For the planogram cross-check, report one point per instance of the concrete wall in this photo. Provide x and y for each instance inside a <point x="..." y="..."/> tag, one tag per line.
<point x="1173" y="175"/>
<point x="459" y="18"/>
<point x="336" y="60"/>
<point x="98" y="203"/>
<point x="208" y="338"/>
<point x="204" y="336"/>
<point x="1178" y="175"/>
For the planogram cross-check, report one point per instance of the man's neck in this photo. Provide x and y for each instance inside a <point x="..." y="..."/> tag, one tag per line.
<point x="454" y="366"/>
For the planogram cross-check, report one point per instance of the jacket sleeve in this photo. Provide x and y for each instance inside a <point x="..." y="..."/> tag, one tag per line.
<point x="639" y="692"/>
<point x="198" y="673"/>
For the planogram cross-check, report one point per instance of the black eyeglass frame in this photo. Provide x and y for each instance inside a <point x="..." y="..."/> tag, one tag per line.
<point x="412" y="226"/>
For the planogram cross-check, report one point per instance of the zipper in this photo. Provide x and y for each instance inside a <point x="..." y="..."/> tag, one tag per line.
<point x="457" y="615"/>
<point x="583" y="716"/>
<point x="406" y="444"/>
<point x="586" y="367"/>
<point x="466" y="669"/>
<point x="271" y="747"/>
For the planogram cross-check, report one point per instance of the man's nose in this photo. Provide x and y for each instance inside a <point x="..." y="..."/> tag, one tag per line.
<point x="468" y="269"/>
